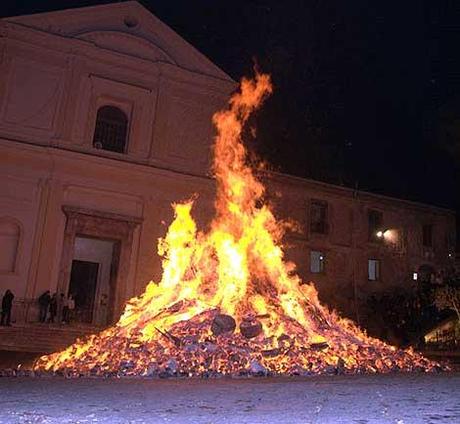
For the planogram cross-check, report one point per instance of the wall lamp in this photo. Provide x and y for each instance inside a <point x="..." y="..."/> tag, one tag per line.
<point x="381" y="233"/>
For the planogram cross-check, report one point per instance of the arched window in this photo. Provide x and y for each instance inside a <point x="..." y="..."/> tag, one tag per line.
<point x="10" y="233"/>
<point x="111" y="129"/>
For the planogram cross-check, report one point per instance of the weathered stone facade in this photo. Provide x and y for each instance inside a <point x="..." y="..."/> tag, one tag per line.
<point x="57" y="70"/>
<point x="349" y="243"/>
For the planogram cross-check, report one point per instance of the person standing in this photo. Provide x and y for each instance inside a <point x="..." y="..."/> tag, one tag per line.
<point x="7" y="305"/>
<point x="71" y="307"/>
<point x="65" y="309"/>
<point x="53" y="307"/>
<point x="44" y="303"/>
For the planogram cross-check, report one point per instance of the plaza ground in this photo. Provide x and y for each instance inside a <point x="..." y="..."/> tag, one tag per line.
<point x="396" y="398"/>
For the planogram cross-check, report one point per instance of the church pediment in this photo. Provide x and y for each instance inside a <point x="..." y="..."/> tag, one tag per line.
<point x="127" y="44"/>
<point x="125" y="27"/>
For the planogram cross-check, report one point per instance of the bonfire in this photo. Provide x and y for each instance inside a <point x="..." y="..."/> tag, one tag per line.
<point x="228" y="303"/>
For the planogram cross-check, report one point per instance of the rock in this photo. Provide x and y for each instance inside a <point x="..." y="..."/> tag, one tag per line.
<point x="223" y="324"/>
<point x="257" y="369"/>
<point x="250" y="329"/>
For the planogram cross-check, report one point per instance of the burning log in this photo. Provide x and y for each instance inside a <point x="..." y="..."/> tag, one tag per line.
<point x="271" y="353"/>
<point x="284" y="341"/>
<point x="250" y="328"/>
<point x="319" y="346"/>
<point x="223" y="324"/>
<point x="170" y="337"/>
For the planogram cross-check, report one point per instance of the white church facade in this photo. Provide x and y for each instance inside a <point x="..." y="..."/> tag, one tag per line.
<point x="105" y="120"/>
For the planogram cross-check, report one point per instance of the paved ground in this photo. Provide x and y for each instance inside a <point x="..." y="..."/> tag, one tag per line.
<point x="398" y="399"/>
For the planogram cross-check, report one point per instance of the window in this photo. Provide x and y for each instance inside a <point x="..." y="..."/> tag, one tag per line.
<point x="9" y="242"/>
<point x="111" y="129"/>
<point x="317" y="260"/>
<point x="427" y="235"/>
<point x="375" y="224"/>
<point x="373" y="269"/>
<point x="318" y="217"/>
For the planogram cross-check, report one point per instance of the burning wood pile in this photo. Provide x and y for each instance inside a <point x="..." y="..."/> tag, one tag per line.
<point x="228" y="303"/>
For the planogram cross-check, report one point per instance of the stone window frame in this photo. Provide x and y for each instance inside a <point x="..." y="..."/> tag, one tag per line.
<point x="20" y="227"/>
<point x="124" y="106"/>
<point x="125" y="124"/>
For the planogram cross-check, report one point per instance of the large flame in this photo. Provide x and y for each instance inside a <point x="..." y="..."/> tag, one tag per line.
<point x="237" y="269"/>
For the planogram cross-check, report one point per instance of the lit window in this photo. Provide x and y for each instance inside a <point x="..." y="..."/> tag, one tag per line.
<point x="317" y="260"/>
<point x="415" y="276"/>
<point x="318" y="217"/>
<point x="373" y="267"/>
<point x="111" y="129"/>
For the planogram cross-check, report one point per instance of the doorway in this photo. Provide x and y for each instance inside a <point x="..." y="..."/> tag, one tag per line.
<point x="92" y="279"/>
<point x="108" y="240"/>
<point x="82" y="287"/>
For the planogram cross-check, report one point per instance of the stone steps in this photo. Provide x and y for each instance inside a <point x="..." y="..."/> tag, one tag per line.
<point x="41" y="338"/>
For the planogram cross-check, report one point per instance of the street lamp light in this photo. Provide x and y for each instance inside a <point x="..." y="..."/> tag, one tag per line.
<point x="381" y="233"/>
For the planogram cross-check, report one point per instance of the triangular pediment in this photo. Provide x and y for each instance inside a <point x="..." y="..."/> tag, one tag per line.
<point x="127" y="28"/>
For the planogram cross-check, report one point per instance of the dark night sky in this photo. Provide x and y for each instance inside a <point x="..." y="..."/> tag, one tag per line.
<point x="366" y="93"/>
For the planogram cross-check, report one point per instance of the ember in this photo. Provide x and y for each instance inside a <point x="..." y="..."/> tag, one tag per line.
<point x="228" y="303"/>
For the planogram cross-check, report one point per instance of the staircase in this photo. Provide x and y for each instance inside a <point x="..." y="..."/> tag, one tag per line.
<point x="41" y="338"/>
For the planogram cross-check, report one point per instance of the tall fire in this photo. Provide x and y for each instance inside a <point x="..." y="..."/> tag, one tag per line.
<point x="228" y="303"/>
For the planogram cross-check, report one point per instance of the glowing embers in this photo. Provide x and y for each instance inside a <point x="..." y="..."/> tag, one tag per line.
<point x="189" y="348"/>
<point x="235" y="270"/>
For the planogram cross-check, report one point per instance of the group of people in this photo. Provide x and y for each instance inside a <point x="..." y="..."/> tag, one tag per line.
<point x="7" y="305"/>
<point x="53" y="308"/>
<point x="56" y="308"/>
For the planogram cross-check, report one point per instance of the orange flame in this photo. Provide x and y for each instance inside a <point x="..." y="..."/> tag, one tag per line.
<point x="238" y="269"/>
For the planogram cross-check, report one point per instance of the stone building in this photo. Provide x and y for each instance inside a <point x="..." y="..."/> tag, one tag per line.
<point x="105" y="120"/>
<point x="353" y="244"/>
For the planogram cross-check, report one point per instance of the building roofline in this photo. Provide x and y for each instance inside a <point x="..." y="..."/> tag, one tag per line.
<point x="177" y="40"/>
<point x="355" y="192"/>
